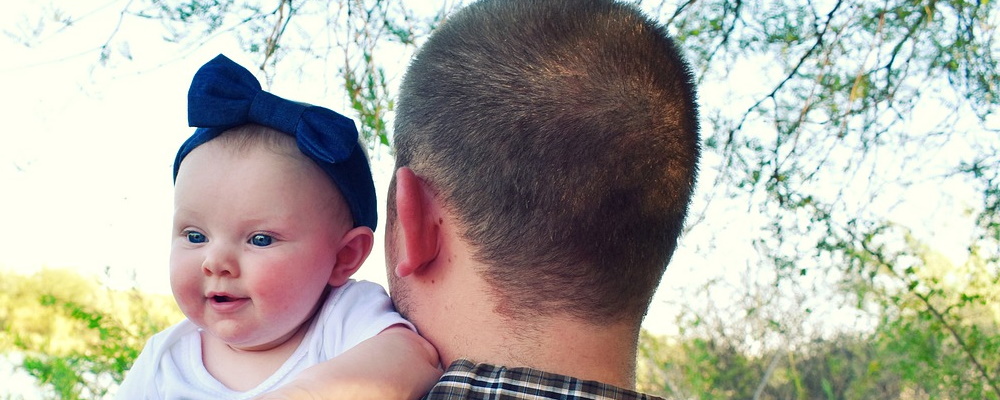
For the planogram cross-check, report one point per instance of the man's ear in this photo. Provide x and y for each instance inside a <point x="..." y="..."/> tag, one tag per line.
<point x="417" y="231"/>
<point x="353" y="251"/>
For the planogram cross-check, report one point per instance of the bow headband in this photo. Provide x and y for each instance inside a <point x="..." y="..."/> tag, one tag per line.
<point x="224" y="95"/>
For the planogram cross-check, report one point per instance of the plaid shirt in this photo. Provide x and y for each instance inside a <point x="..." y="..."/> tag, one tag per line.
<point x="466" y="380"/>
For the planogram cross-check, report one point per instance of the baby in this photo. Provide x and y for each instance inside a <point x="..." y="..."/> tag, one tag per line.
<point x="274" y="210"/>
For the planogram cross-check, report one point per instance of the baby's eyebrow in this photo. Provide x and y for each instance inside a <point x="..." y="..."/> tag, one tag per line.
<point x="184" y="214"/>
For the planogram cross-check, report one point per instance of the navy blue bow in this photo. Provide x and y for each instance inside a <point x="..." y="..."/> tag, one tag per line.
<point x="224" y="95"/>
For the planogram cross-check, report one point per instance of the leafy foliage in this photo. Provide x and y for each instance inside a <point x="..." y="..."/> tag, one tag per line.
<point x="854" y="109"/>
<point x="78" y="338"/>
<point x="903" y="360"/>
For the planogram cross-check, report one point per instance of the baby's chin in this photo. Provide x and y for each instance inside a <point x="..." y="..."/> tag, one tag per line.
<point x="255" y="343"/>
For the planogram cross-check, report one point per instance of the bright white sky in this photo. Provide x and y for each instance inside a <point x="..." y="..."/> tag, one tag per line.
<point x="85" y="160"/>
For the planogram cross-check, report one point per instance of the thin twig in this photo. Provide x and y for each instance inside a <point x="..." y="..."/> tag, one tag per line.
<point x="937" y="315"/>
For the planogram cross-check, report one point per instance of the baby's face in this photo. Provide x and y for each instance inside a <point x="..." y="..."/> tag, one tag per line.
<point x="254" y="243"/>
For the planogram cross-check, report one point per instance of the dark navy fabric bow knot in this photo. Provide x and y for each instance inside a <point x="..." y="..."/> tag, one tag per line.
<point x="224" y="95"/>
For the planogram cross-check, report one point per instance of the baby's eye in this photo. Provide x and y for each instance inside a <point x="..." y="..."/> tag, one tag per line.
<point x="196" y="237"/>
<point x="261" y="240"/>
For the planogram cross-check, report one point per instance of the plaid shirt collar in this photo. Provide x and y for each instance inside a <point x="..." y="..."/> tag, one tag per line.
<point x="467" y="380"/>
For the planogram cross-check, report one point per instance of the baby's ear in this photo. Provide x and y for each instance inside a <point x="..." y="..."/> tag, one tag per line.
<point x="354" y="250"/>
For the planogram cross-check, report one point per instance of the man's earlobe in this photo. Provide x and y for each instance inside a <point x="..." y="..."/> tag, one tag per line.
<point x="418" y="228"/>
<point x="353" y="251"/>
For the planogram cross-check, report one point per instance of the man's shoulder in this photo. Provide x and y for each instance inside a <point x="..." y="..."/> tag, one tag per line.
<point x="465" y="379"/>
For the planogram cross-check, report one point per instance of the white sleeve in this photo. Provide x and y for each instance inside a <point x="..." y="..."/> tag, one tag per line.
<point x="138" y="382"/>
<point x="353" y="313"/>
<point x="154" y="372"/>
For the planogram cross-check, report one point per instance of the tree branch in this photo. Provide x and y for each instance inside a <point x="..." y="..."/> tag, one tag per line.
<point x="271" y="44"/>
<point x="940" y="317"/>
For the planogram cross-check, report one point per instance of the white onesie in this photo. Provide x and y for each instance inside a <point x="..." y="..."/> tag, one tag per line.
<point x="170" y="366"/>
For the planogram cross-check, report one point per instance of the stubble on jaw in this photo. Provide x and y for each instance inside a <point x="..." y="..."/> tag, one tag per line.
<point x="398" y="292"/>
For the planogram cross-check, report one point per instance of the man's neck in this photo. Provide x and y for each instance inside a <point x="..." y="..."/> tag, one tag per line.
<point x="554" y="344"/>
<point x="452" y="307"/>
<point x="565" y="346"/>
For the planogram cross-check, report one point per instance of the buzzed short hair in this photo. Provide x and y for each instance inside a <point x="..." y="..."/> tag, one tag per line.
<point x="563" y="134"/>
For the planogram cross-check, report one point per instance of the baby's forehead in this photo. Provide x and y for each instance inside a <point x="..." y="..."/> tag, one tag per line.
<point x="252" y="137"/>
<point x="272" y="162"/>
<point x="248" y="139"/>
<point x="273" y="148"/>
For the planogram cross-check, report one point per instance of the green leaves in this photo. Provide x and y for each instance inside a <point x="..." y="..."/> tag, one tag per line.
<point x="78" y="338"/>
<point x="370" y="100"/>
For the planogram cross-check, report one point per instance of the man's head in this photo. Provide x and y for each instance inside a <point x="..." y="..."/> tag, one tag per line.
<point x="563" y="137"/>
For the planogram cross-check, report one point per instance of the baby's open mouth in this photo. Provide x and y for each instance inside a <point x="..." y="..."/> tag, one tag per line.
<point x="222" y="299"/>
<point x="225" y="302"/>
